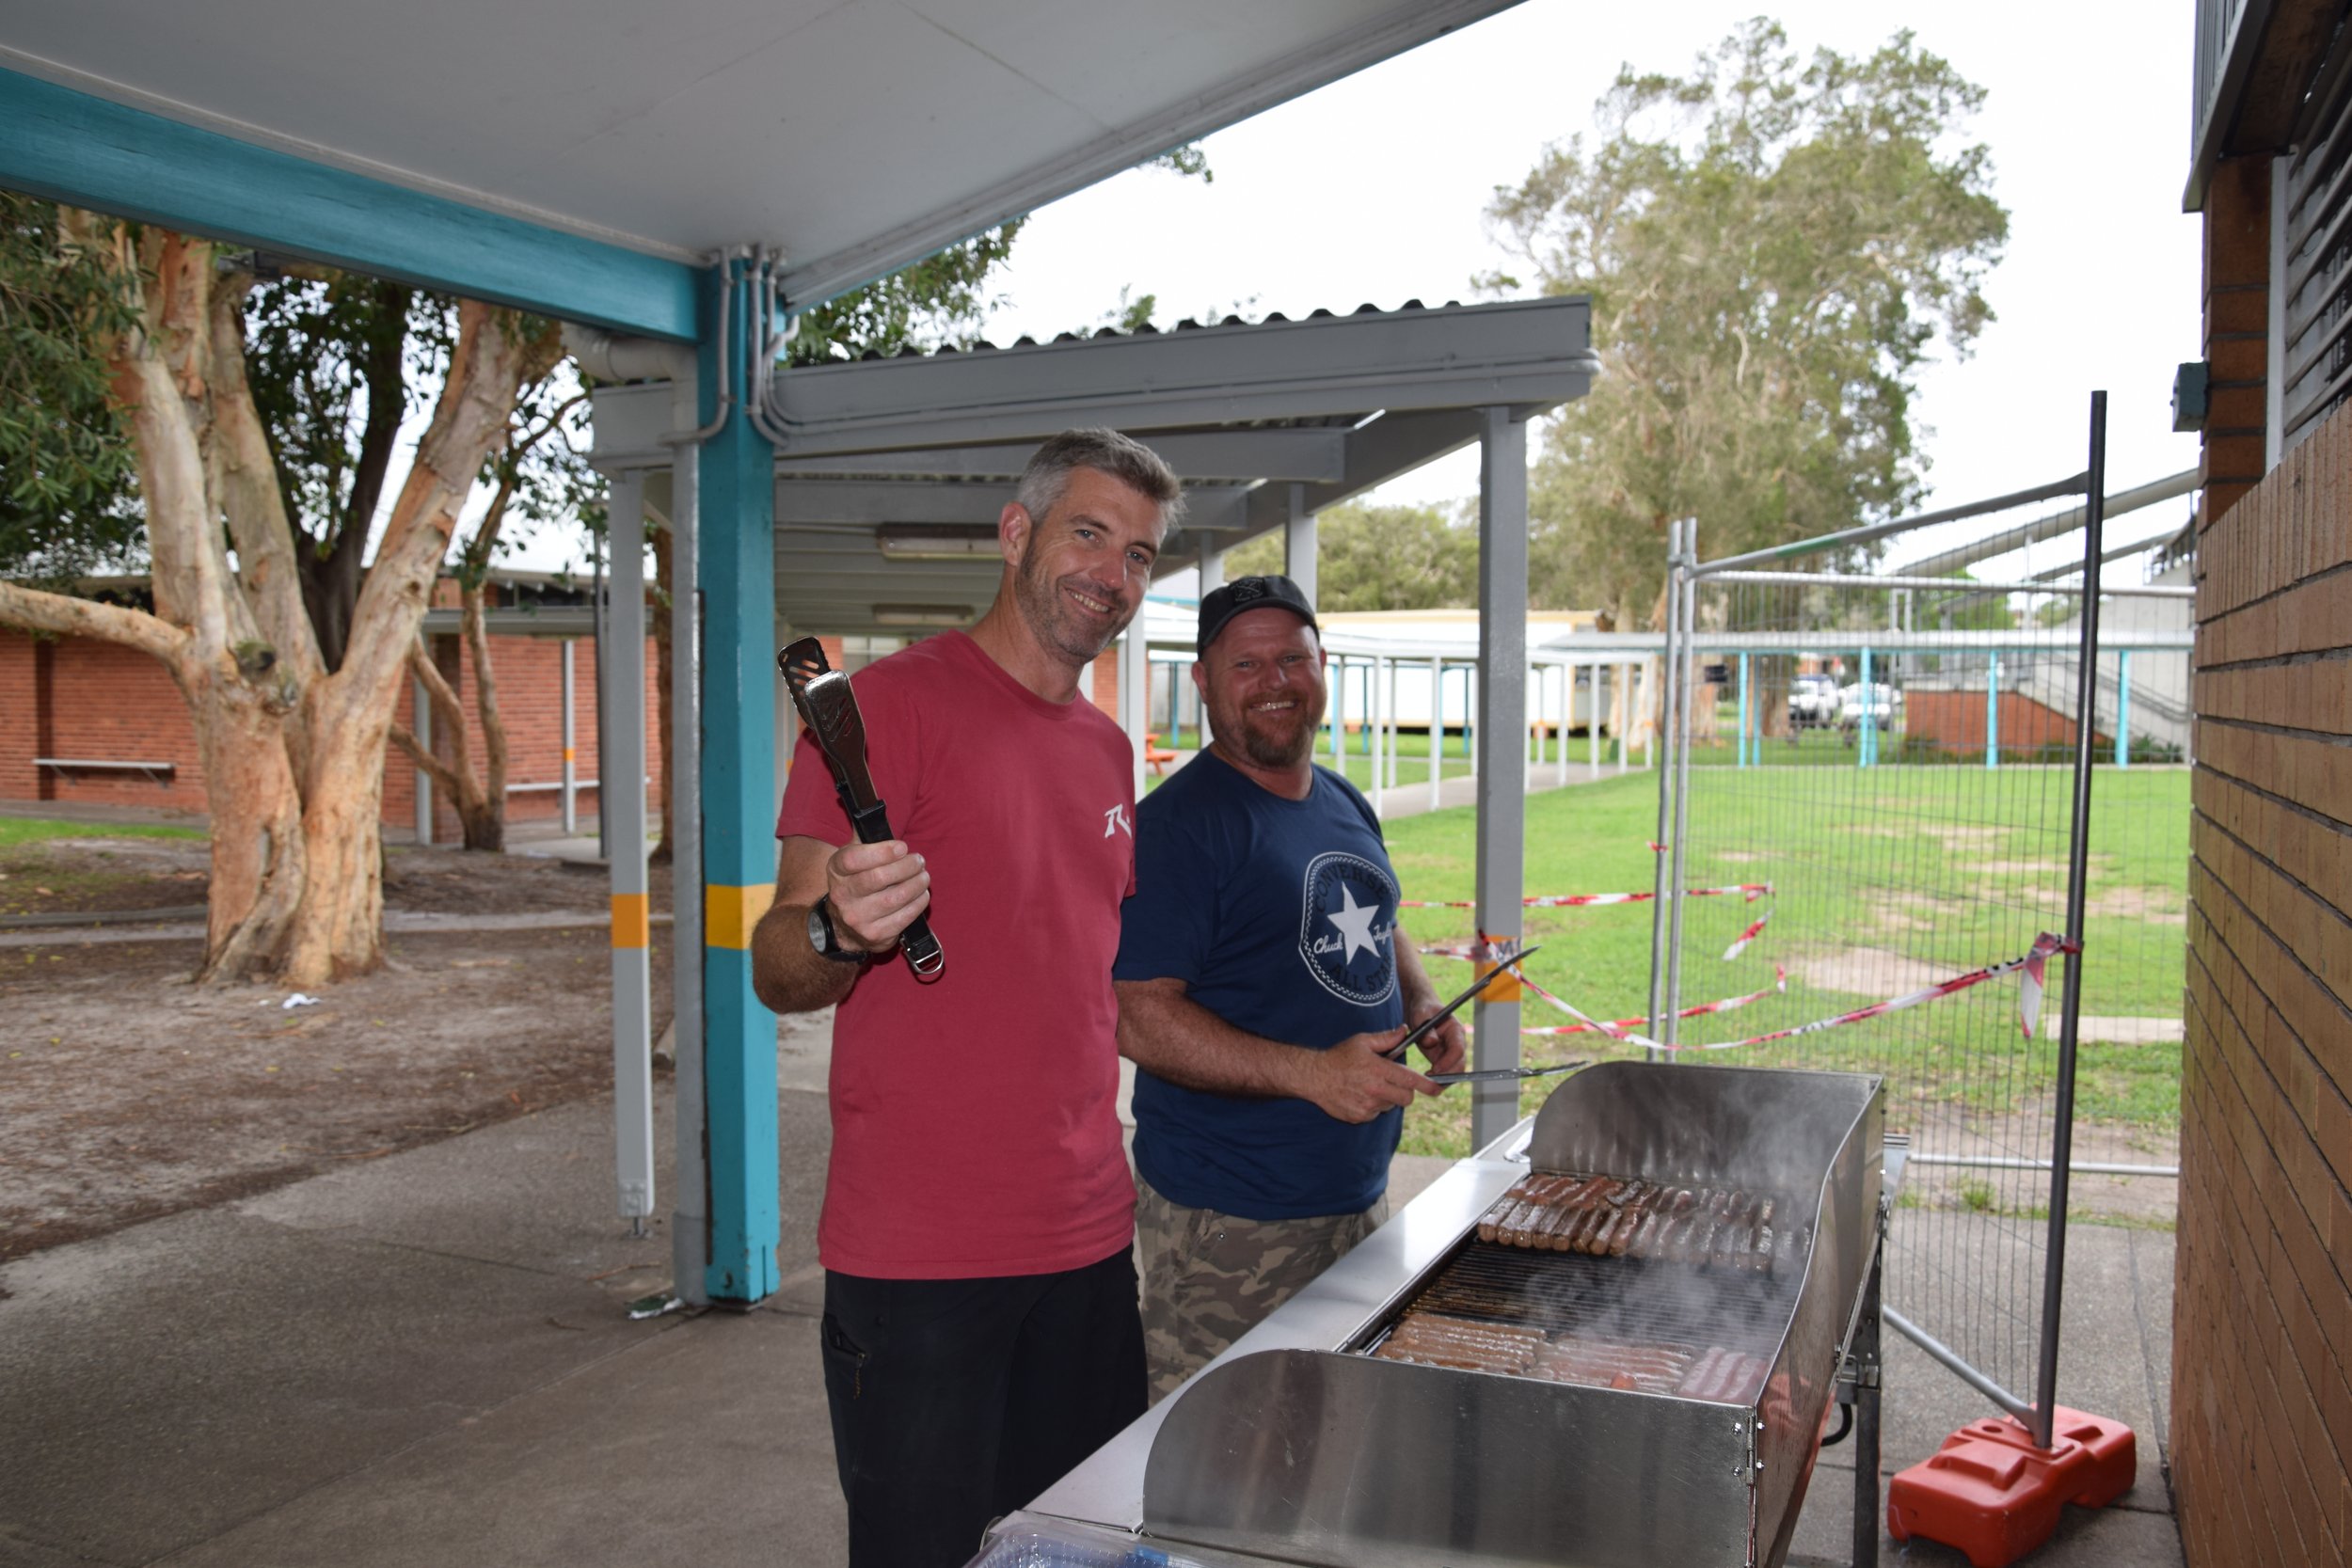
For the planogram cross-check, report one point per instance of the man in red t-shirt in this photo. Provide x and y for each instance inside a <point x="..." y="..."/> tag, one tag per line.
<point x="981" y="1333"/>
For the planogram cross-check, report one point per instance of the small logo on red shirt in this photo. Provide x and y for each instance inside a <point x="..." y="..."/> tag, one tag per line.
<point x="1116" y="821"/>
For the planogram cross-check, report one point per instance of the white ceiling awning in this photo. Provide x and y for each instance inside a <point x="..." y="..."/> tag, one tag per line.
<point x="888" y="490"/>
<point x="855" y="136"/>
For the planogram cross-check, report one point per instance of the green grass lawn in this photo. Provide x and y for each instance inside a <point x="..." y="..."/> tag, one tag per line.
<point x="1885" y="879"/>
<point x="15" y="831"/>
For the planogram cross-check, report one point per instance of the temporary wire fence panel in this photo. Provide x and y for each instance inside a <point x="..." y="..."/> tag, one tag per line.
<point x="1898" y="764"/>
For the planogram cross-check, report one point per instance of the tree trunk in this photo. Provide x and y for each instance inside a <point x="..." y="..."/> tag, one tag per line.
<point x="485" y="823"/>
<point x="340" y="930"/>
<point x="293" y="757"/>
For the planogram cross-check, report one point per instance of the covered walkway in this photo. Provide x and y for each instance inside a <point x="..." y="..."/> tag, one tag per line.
<point x="423" y="1361"/>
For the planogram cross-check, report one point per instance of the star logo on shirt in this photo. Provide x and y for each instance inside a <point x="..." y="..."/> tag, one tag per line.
<point x="1347" y="926"/>
<point x="1352" y="921"/>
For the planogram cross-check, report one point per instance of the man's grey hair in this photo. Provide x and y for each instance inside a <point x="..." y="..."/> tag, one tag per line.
<point x="1124" y="458"/>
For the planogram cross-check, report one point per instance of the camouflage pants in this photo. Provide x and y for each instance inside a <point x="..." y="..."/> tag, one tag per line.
<point x="1207" y="1277"/>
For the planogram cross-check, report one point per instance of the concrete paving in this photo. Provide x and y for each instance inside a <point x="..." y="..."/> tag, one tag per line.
<point x="425" y="1361"/>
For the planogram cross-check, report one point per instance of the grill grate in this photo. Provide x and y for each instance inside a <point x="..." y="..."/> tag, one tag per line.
<point x="1570" y="1295"/>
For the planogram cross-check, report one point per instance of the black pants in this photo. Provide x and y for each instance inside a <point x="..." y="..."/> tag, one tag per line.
<point x="957" y="1401"/>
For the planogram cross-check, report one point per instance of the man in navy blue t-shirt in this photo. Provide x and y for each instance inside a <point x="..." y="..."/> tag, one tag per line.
<point x="1263" y="979"/>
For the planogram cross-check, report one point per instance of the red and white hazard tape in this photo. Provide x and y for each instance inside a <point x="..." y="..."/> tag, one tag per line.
<point x="1780" y="983"/>
<point x="1749" y="891"/>
<point x="1740" y="944"/>
<point x="2029" y="969"/>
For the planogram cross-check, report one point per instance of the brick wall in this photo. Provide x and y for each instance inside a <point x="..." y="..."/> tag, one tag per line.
<point x="2237" y="323"/>
<point x="81" y="699"/>
<point x="531" y="701"/>
<point x="2262" y="1407"/>
<point x="19" y="717"/>
<point x="100" y="702"/>
<point x="1954" y="721"/>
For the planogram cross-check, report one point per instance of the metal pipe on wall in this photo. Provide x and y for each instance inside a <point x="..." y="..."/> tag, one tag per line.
<point x="691" y="1217"/>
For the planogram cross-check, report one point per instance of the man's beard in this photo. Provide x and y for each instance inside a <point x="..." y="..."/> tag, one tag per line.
<point x="1260" y="738"/>
<point x="1057" y="623"/>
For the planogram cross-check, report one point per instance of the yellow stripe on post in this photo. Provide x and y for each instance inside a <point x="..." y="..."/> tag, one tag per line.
<point x="1508" y="988"/>
<point x="632" y="923"/>
<point x="730" y="912"/>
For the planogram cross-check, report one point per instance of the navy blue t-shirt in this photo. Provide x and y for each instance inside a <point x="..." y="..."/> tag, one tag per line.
<point x="1280" y="916"/>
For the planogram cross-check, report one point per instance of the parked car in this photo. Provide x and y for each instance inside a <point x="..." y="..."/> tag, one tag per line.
<point x="1884" y="703"/>
<point x="1812" y="703"/>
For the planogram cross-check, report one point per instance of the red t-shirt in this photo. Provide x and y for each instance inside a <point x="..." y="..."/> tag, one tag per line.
<point x="975" y="1119"/>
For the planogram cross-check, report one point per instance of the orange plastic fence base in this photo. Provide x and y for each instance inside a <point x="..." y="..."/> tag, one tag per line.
<point x="1990" y="1492"/>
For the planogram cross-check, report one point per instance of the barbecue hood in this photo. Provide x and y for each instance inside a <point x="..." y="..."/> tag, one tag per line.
<point x="1295" y="1445"/>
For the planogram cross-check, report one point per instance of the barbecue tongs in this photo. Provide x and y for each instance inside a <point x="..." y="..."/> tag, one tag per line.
<point x="829" y="708"/>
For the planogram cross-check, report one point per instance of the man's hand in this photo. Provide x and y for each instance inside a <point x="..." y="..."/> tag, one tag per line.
<point x="1354" y="1080"/>
<point x="1447" y="1046"/>
<point x="876" y="891"/>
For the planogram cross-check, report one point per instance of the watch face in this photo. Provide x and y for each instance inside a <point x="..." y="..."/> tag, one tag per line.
<point x="820" y="929"/>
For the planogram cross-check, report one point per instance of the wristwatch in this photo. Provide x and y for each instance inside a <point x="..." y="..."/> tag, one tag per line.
<point x="827" y="941"/>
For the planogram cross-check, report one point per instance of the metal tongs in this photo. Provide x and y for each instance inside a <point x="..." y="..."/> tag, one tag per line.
<point x="1505" y="963"/>
<point x="829" y="708"/>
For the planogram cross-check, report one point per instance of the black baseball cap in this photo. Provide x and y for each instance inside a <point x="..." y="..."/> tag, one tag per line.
<point x="1243" y="595"/>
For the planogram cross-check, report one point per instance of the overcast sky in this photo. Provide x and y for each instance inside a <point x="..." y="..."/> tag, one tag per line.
<point x="1372" y="189"/>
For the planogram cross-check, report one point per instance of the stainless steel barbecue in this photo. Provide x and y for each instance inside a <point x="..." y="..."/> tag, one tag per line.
<point x="1440" y="1396"/>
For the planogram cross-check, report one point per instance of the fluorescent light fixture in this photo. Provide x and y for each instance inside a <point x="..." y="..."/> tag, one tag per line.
<point x="922" y="614"/>
<point x="936" y="540"/>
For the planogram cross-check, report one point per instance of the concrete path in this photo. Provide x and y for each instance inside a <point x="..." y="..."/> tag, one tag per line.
<point x="424" y="1360"/>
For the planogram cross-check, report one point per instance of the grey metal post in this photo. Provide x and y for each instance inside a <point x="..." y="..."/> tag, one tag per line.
<point x="1660" y="731"/>
<point x="1684" y="653"/>
<point x="420" y="710"/>
<point x="621" y="769"/>
<point x="1212" y="579"/>
<point x="1866" y="1364"/>
<point x="1501" y="731"/>
<point x="1375" y="733"/>
<point x="1592" y="727"/>
<point x="1621" y="707"/>
<point x="2078" y="875"/>
<point x="690" y="1217"/>
<point x="1437" y="728"/>
<point x="1134" y="694"/>
<point x="1299" y="543"/>
<point x="571" y="728"/>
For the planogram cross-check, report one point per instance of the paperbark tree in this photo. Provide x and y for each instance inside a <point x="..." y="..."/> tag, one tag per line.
<point x="293" y="753"/>
<point x="544" y="421"/>
<point x="1773" y="246"/>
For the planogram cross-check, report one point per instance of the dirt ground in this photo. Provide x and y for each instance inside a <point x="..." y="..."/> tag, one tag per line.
<point x="117" y="875"/>
<point x="130" y="1093"/>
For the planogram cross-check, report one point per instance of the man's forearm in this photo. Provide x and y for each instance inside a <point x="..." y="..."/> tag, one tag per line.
<point x="788" y="975"/>
<point x="1176" y="1038"/>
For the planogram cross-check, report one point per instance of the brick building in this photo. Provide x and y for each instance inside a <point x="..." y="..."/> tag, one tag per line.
<point x="95" y="724"/>
<point x="2262" y="1401"/>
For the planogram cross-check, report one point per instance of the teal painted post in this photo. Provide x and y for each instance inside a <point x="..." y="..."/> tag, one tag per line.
<point x="2123" y="708"/>
<point x="739" y="800"/>
<point x="88" y="151"/>
<point x="1743" y="708"/>
<point x="1867" y="739"/>
<point x="1993" y="709"/>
